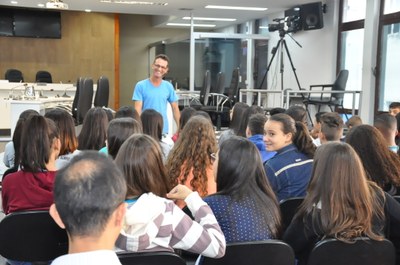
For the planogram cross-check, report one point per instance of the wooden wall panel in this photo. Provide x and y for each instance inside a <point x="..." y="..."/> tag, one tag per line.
<point x="85" y="49"/>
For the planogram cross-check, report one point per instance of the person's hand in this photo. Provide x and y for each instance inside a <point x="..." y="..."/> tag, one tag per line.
<point x="179" y="192"/>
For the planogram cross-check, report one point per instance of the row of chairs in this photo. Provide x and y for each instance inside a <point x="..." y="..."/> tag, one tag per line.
<point x="34" y="236"/>
<point x="15" y="75"/>
<point x="84" y="96"/>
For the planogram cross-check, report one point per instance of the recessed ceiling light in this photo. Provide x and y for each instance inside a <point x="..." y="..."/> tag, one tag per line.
<point x="238" y="8"/>
<point x="40" y="5"/>
<point x="194" y="25"/>
<point x="14" y="2"/>
<point x="129" y="2"/>
<point x="210" y="19"/>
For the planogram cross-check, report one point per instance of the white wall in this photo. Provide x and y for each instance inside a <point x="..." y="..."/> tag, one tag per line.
<point x="315" y="62"/>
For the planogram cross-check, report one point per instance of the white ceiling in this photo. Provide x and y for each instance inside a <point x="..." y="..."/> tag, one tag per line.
<point x="173" y="11"/>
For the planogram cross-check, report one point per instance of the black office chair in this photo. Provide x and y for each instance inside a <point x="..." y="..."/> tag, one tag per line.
<point x="43" y="77"/>
<point x="150" y="258"/>
<point x="202" y="100"/>
<point x="363" y="251"/>
<point x="329" y="99"/>
<point x="220" y="86"/>
<point x="268" y="252"/>
<point x="85" y="99"/>
<point x="14" y="75"/>
<point x="79" y="84"/>
<point x="289" y="208"/>
<point x="219" y="112"/>
<point x="32" y="236"/>
<point x="102" y="92"/>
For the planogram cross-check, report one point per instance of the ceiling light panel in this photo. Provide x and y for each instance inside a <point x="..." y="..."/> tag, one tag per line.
<point x="194" y="25"/>
<point x="210" y="19"/>
<point x="128" y="2"/>
<point x="237" y="8"/>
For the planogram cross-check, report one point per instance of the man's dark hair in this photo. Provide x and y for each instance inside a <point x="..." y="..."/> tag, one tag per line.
<point x="318" y="116"/>
<point x="274" y="111"/>
<point x="394" y="105"/>
<point x="256" y="123"/>
<point x="332" y="126"/>
<point x="385" y="121"/>
<point x="162" y="56"/>
<point x="298" y="113"/>
<point x="86" y="193"/>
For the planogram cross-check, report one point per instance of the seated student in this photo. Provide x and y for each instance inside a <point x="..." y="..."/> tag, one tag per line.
<point x="189" y="161"/>
<point x="331" y="127"/>
<point x="66" y="126"/>
<point x="118" y="131"/>
<point x="353" y="121"/>
<point x="340" y="203"/>
<point x="387" y="125"/>
<point x="381" y="165"/>
<point x="127" y="112"/>
<point x="237" y="114"/>
<point x="298" y="113"/>
<point x="255" y="133"/>
<point x="186" y="114"/>
<point x="89" y="204"/>
<point x="31" y="188"/>
<point x="244" y="205"/>
<point x="289" y="171"/>
<point x="394" y="108"/>
<point x="152" y="123"/>
<point x="159" y="221"/>
<point x="11" y="149"/>
<point x="94" y="130"/>
<point x="316" y="128"/>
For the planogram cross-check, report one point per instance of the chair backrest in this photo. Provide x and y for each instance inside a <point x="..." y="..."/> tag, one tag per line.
<point x="220" y="86"/>
<point x="14" y="75"/>
<point x="43" y="77"/>
<point x="102" y="92"/>
<point x="269" y="252"/>
<point x="397" y="198"/>
<point x="85" y="98"/>
<point x="233" y="90"/>
<point x="79" y="84"/>
<point x="340" y="84"/>
<point x="31" y="236"/>
<point x="150" y="258"/>
<point x="205" y="90"/>
<point x="289" y="208"/>
<point x="363" y="251"/>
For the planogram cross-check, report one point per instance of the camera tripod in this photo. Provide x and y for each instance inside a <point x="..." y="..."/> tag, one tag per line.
<point x="282" y="46"/>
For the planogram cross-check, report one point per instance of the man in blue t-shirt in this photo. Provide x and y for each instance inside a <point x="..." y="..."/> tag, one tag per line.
<point x="155" y="93"/>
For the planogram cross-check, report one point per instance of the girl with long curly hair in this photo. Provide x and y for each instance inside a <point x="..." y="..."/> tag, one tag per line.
<point x="190" y="160"/>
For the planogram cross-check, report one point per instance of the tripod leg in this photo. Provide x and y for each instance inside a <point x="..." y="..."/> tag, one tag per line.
<point x="274" y="51"/>
<point x="293" y="68"/>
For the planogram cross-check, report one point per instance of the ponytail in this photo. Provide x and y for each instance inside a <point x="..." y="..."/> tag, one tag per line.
<point x="302" y="140"/>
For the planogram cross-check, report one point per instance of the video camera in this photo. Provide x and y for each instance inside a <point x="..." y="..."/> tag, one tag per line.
<point x="285" y="25"/>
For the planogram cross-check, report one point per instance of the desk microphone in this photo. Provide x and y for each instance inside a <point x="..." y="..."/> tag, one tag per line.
<point x="11" y="94"/>
<point x="65" y="95"/>
<point x="41" y="94"/>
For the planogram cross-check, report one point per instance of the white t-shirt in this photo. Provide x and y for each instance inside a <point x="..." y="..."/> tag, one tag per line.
<point x="98" y="257"/>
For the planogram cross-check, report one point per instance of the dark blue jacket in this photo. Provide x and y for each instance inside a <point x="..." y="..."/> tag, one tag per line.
<point x="257" y="139"/>
<point x="289" y="172"/>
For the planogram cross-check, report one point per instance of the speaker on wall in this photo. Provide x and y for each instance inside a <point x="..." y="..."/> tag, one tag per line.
<point x="311" y="15"/>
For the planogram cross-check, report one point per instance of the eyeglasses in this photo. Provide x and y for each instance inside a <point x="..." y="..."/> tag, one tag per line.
<point x="160" y="66"/>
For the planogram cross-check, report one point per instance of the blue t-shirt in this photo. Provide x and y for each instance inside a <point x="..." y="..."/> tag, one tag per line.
<point x="155" y="98"/>
<point x="240" y="221"/>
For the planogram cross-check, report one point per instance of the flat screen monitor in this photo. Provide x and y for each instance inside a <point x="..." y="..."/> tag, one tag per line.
<point x="37" y="24"/>
<point x="6" y="23"/>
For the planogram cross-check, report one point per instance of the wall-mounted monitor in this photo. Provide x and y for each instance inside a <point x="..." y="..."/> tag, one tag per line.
<point x="32" y="23"/>
<point x="6" y="23"/>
